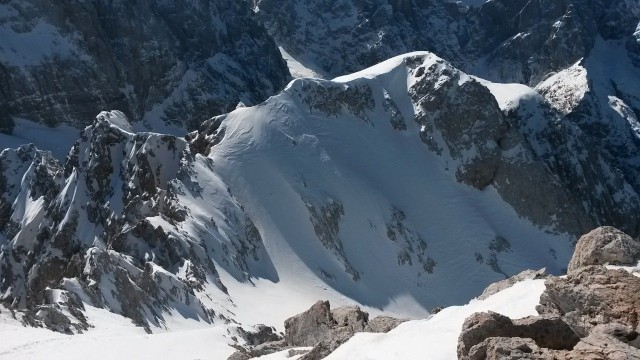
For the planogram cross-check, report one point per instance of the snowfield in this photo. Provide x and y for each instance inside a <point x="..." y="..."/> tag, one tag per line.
<point x="114" y="337"/>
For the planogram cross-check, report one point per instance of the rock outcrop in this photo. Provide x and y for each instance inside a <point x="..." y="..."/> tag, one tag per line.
<point x="546" y="332"/>
<point x="326" y="329"/>
<point x="310" y="327"/>
<point x="321" y="328"/>
<point x="592" y="313"/>
<point x="507" y="283"/>
<point x="593" y="295"/>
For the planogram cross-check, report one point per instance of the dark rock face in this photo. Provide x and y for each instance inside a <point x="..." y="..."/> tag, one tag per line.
<point x="346" y="36"/>
<point x="605" y="245"/>
<point x="63" y="312"/>
<point x="505" y="40"/>
<point x="259" y="335"/>
<point x="446" y="100"/>
<point x="143" y="58"/>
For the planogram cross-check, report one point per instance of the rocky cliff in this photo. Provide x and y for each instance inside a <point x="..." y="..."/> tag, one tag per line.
<point x="506" y="41"/>
<point x="170" y="62"/>
<point x="104" y="227"/>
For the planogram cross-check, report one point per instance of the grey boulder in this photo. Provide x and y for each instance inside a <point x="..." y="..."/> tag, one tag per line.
<point x="605" y="244"/>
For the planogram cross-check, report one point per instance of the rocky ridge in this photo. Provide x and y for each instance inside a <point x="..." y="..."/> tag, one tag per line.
<point x="504" y="41"/>
<point x="103" y="228"/>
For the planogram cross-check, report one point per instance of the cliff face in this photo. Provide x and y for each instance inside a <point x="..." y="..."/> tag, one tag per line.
<point x="170" y="62"/>
<point x="501" y="40"/>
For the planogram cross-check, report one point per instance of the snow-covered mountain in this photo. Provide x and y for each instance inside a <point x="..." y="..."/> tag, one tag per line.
<point x="583" y="57"/>
<point x="382" y="188"/>
<point x="410" y="184"/>
<point x="166" y="64"/>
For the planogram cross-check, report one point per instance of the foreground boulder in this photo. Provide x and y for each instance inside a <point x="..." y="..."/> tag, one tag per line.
<point x="592" y="296"/>
<point x="310" y="327"/>
<point x="592" y="313"/>
<point x="601" y="344"/>
<point x="548" y="332"/>
<point x="603" y="245"/>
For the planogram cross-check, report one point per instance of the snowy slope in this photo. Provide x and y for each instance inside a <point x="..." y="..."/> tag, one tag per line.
<point x="285" y="165"/>
<point x="470" y="2"/>
<point x="437" y="337"/>
<point x="58" y="140"/>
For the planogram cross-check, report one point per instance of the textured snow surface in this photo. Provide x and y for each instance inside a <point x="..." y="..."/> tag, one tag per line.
<point x="114" y="337"/>
<point x="470" y="2"/>
<point x="436" y="338"/>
